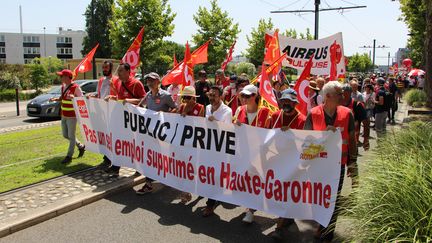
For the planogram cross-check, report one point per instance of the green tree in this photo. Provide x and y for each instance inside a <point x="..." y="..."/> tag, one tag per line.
<point x="215" y="24"/>
<point x="255" y="51"/>
<point x="414" y="16"/>
<point x="102" y="14"/>
<point x="38" y="76"/>
<point x="52" y="65"/>
<point x="128" y="18"/>
<point x="164" y="56"/>
<point x="9" y="80"/>
<point x="359" y="63"/>
<point x="304" y="36"/>
<point x="245" y="67"/>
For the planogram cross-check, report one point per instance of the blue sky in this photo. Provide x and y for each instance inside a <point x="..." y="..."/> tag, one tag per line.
<point x="359" y="26"/>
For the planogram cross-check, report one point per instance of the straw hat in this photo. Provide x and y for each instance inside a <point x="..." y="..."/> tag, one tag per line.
<point x="189" y="91"/>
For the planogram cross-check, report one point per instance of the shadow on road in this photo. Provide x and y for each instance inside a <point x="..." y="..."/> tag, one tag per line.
<point x="171" y="212"/>
<point x="40" y="120"/>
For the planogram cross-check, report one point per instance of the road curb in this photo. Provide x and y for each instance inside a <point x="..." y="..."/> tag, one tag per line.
<point x="61" y="208"/>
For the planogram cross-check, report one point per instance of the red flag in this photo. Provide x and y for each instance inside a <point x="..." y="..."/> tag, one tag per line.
<point x="200" y="54"/>
<point x="228" y="56"/>
<point x="86" y="64"/>
<point x="174" y="76"/>
<point x="273" y="53"/>
<point x="132" y="56"/>
<point x="302" y="87"/>
<point x="266" y="89"/>
<point x="175" y="61"/>
<point x="188" y="75"/>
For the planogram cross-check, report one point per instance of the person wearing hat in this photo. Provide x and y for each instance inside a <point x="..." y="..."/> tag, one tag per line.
<point x="251" y="114"/>
<point x="159" y="100"/>
<point x="202" y="86"/>
<point x="189" y="107"/>
<point x="314" y="98"/>
<point x="220" y="79"/>
<point x="69" y="90"/>
<point x="288" y="116"/>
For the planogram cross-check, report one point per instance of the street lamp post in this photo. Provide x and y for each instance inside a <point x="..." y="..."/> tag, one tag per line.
<point x="44" y="42"/>
<point x="93" y="37"/>
<point x="373" y="51"/>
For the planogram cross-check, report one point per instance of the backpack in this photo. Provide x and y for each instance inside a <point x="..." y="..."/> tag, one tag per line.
<point x="388" y="100"/>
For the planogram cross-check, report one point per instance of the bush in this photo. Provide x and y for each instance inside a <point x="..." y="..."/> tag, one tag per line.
<point x="246" y="67"/>
<point x="416" y="96"/>
<point x="9" y="95"/>
<point x="393" y="202"/>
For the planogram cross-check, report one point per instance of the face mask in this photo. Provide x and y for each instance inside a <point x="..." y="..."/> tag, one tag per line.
<point x="287" y="108"/>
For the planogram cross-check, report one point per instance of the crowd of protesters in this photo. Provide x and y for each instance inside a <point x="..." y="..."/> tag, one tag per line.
<point x="352" y="106"/>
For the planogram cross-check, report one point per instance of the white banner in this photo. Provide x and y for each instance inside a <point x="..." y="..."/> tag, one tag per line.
<point x="292" y="174"/>
<point x="299" y="51"/>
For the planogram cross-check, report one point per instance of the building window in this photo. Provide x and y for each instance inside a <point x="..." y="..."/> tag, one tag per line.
<point x="64" y="51"/>
<point x="31" y="50"/>
<point x="3" y="60"/>
<point x="64" y="39"/>
<point x="28" y="60"/>
<point x="2" y="50"/>
<point x="2" y="38"/>
<point x="31" y="39"/>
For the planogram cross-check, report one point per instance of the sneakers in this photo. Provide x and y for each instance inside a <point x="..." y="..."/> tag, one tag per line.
<point x="147" y="188"/>
<point x="185" y="197"/>
<point x="277" y="234"/>
<point x="113" y="171"/>
<point x="81" y="151"/>
<point x="66" y="160"/>
<point x="248" y="218"/>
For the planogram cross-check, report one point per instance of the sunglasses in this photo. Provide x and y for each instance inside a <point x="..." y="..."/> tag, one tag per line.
<point x="245" y="96"/>
<point x="186" y="97"/>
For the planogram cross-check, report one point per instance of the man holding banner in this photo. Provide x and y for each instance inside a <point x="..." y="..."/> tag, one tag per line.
<point x="331" y="115"/>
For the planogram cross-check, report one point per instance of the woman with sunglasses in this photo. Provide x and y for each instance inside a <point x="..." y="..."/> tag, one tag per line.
<point x="253" y="115"/>
<point x="189" y="107"/>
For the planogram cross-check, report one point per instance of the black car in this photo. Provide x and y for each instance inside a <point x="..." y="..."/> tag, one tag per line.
<point x="41" y="106"/>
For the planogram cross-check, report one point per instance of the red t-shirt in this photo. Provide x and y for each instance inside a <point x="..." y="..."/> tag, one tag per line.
<point x="134" y="89"/>
<point x="281" y="121"/>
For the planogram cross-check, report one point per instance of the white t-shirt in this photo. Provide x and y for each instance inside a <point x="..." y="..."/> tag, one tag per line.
<point x="223" y="113"/>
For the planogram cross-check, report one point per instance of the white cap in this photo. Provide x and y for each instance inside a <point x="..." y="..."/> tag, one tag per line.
<point x="249" y="89"/>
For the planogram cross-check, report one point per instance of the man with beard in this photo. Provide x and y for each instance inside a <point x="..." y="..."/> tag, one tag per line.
<point x="105" y="88"/>
<point x="216" y="111"/>
<point x="288" y="117"/>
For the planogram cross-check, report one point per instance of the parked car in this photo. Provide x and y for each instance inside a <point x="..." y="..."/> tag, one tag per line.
<point x="42" y="107"/>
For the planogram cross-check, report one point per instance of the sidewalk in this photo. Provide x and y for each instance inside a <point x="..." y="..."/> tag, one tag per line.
<point x="34" y="204"/>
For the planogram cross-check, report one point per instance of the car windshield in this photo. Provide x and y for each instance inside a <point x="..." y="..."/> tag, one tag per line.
<point x="55" y="90"/>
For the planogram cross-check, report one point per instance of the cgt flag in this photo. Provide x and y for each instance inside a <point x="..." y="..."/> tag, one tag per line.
<point x="266" y="91"/>
<point x="228" y="56"/>
<point x="132" y="56"/>
<point x="187" y="77"/>
<point x="302" y="87"/>
<point x="273" y="53"/>
<point x="86" y="64"/>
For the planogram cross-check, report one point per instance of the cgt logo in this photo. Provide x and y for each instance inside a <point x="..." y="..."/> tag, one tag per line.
<point x="82" y="108"/>
<point x="312" y="151"/>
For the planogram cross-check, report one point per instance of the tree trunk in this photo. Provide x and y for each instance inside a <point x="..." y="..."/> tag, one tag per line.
<point x="428" y="52"/>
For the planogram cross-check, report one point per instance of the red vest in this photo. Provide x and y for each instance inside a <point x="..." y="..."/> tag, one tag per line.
<point x="67" y="109"/>
<point x="196" y="110"/>
<point x="342" y="121"/>
<point x="231" y="101"/>
<point x="259" y="120"/>
<point x="278" y="121"/>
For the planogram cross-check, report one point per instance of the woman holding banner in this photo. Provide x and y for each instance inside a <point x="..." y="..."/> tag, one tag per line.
<point x="253" y="115"/>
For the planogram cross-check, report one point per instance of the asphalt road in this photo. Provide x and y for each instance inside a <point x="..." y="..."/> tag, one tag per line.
<point x="9" y="118"/>
<point x="157" y="217"/>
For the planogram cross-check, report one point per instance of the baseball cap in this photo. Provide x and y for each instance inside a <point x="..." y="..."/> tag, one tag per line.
<point x="249" y="89"/>
<point x="289" y="94"/>
<point x="65" y="72"/>
<point x="152" y="75"/>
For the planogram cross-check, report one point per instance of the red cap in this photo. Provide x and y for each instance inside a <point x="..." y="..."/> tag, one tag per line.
<point x="65" y="72"/>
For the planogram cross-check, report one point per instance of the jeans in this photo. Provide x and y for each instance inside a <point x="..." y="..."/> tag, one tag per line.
<point x="380" y="122"/>
<point x="68" y="125"/>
